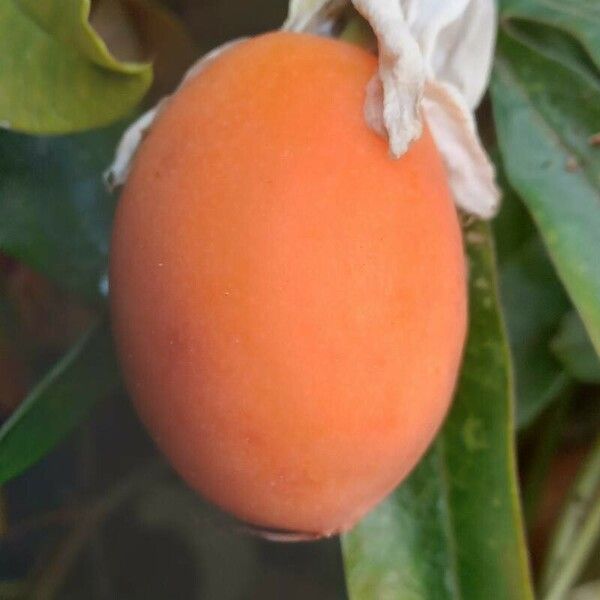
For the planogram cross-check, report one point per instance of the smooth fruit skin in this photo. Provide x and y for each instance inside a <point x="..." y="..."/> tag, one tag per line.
<point x="288" y="301"/>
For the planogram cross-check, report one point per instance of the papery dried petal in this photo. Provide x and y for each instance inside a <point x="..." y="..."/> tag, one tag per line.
<point x="450" y="44"/>
<point x="470" y="171"/>
<point x="118" y="171"/>
<point x="401" y="72"/>
<point x="456" y="38"/>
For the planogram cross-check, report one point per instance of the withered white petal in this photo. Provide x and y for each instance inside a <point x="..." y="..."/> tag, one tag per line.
<point x="450" y="44"/>
<point x="401" y="72"/>
<point x="118" y="171"/>
<point x="373" y="112"/>
<point x="456" y="38"/>
<point x="470" y="171"/>
<point x="394" y="96"/>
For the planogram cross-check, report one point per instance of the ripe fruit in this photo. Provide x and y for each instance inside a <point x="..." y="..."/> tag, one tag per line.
<point x="288" y="301"/>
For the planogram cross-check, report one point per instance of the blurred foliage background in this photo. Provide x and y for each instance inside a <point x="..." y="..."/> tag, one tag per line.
<point x="87" y="507"/>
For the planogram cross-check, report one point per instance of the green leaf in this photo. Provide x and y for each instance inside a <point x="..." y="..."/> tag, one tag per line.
<point x="534" y="305"/>
<point x="87" y="373"/>
<point x="573" y="348"/>
<point x="556" y="45"/>
<point x="55" y="213"/>
<point x="545" y="114"/>
<point x="533" y="301"/>
<point x="453" y="530"/>
<point x="56" y="74"/>
<point x="577" y="18"/>
<point x="512" y="227"/>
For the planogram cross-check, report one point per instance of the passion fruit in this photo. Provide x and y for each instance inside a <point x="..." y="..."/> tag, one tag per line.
<point x="289" y="302"/>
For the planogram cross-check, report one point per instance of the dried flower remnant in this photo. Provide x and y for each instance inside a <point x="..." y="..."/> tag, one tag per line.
<point x="456" y="43"/>
<point x="397" y="90"/>
<point x="433" y="59"/>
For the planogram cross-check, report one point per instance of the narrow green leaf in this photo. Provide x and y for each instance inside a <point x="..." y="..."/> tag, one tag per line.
<point x="555" y="45"/>
<point x="55" y="213"/>
<point x="577" y="18"/>
<point x="545" y="114"/>
<point x="87" y="373"/>
<point x="454" y="530"/>
<point x="533" y="305"/>
<point x="56" y="74"/>
<point x="573" y="348"/>
<point x="533" y="301"/>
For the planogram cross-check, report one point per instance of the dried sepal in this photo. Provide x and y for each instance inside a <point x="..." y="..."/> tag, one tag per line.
<point x="470" y="172"/>
<point x="457" y="39"/>
<point x="447" y="50"/>
<point x="392" y="106"/>
<point x="434" y="58"/>
<point x="118" y="171"/>
<point x="401" y="75"/>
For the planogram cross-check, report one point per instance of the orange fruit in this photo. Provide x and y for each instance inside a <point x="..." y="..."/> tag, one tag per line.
<point x="289" y="302"/>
